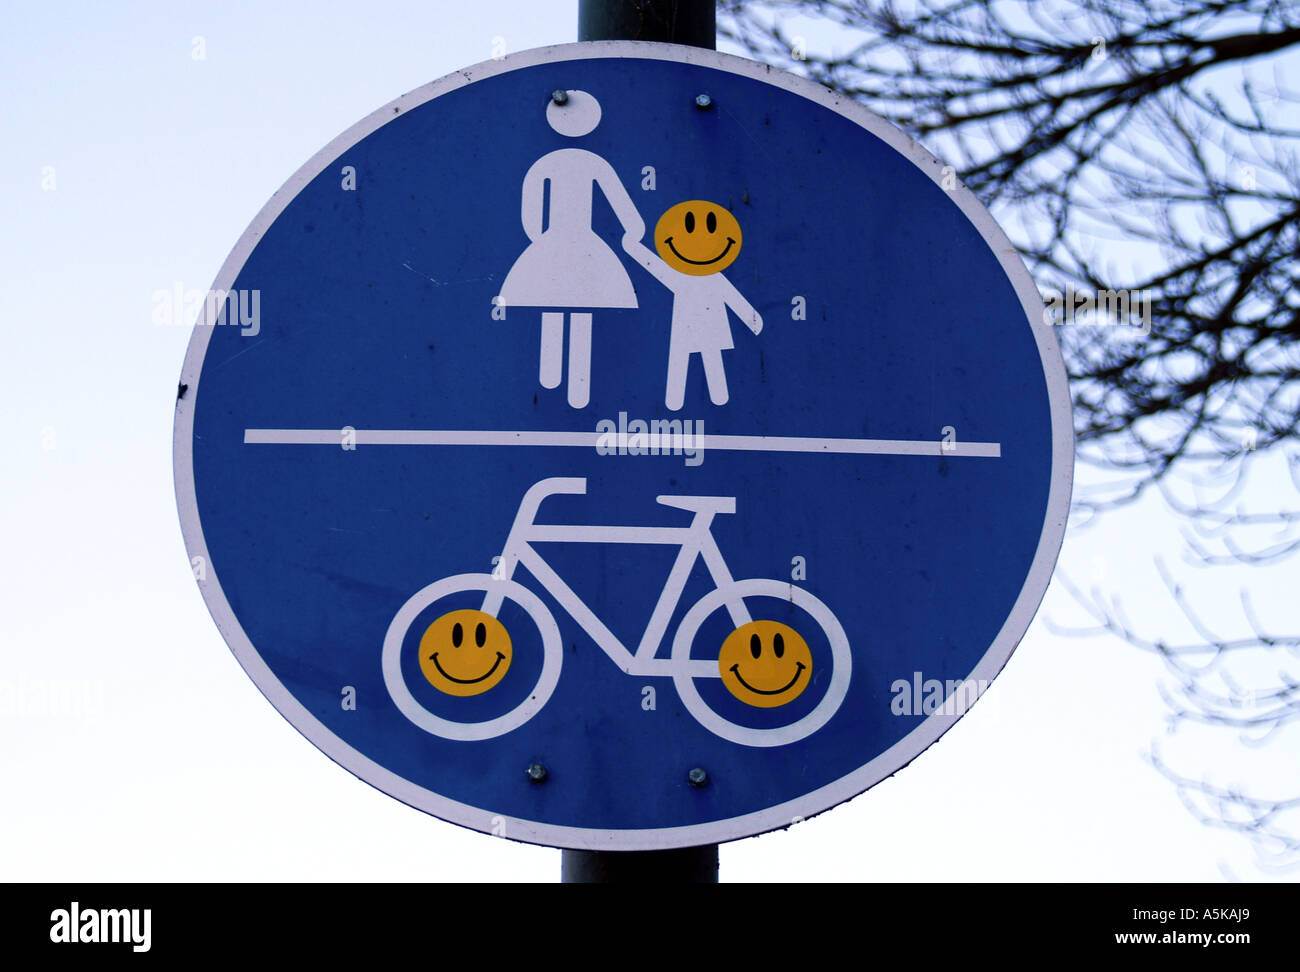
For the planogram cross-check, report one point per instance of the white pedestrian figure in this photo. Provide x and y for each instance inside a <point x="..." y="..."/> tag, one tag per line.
<point x="566" y="265"/>
<point x="697" y="240"/>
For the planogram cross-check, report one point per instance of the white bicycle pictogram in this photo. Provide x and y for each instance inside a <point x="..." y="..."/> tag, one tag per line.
<point x="773" y="644"/>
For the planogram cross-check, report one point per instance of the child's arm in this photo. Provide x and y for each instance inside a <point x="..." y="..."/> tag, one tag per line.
<point x="739" y="305"/>
<point x="650" y="261"/>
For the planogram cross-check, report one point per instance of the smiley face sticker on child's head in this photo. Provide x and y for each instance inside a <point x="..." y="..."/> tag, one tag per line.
<point x="698" y="238"/>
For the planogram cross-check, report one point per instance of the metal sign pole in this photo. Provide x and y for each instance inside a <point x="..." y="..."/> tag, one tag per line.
<point x="690" y="22"/>
<point x="694" y="23"/>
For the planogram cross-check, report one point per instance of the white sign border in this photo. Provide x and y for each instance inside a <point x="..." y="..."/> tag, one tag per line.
<point x="733" y="828"/>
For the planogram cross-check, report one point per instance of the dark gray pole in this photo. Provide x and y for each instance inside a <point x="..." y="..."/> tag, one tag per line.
<point x="688" y="865"/>
<point x="689" y="22"/>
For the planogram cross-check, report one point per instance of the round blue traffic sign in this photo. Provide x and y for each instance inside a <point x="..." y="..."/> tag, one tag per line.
<point x="586" y="461"/>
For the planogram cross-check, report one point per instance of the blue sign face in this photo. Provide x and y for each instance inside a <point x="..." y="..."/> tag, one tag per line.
<point x="623" y="446"/>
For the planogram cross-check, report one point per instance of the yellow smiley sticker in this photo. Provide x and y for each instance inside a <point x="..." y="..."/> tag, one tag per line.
<point x="765" y="664"/>
<point x="698" y="238"/>
<point x="465" y="652"/>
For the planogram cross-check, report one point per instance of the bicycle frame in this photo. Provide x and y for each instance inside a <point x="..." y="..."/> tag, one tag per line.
<point x="695" y="540"/>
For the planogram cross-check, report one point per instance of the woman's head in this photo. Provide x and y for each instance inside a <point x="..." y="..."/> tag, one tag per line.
<point x="575" y="116"/>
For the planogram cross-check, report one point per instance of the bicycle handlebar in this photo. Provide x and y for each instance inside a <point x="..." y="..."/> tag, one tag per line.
<point x="575" y="485"/>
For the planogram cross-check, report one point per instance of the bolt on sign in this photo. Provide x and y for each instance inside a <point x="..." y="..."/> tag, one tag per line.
<point x="622" y="425"/>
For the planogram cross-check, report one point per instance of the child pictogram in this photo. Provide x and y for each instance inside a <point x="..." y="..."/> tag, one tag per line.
<point x="697" y="240"/>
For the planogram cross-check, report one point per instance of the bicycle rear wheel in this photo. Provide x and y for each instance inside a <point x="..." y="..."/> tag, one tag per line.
<point x="841" y="663"/>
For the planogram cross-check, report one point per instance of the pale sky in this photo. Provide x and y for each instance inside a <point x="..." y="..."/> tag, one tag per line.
<point x="132" y="165"/>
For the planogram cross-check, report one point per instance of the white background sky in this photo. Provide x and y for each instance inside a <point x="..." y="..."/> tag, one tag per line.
<point x="179" y="769"/>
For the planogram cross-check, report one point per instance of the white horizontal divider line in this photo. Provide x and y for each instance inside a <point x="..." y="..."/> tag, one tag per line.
<point x="649" y="442"/>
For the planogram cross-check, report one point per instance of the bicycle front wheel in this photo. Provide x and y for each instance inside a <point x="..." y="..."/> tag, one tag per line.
<point x="395" y="681"/>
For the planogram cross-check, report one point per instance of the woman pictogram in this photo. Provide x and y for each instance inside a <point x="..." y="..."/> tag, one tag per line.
<point x="566" y="265"/>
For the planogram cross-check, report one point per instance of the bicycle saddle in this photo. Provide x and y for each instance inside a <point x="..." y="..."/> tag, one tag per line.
<point x="700" y="504"/>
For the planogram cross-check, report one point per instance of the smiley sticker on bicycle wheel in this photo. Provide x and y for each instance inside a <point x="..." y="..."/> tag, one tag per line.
<point x="765" y="664"/>
<point x="465" y="652"/>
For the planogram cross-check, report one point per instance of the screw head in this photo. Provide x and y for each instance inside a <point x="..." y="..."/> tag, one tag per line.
<point x="560" y="96"/>
<point x="703" y="101"/>
<point x="536" y="772"/>
<point x="697" y="777"/>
